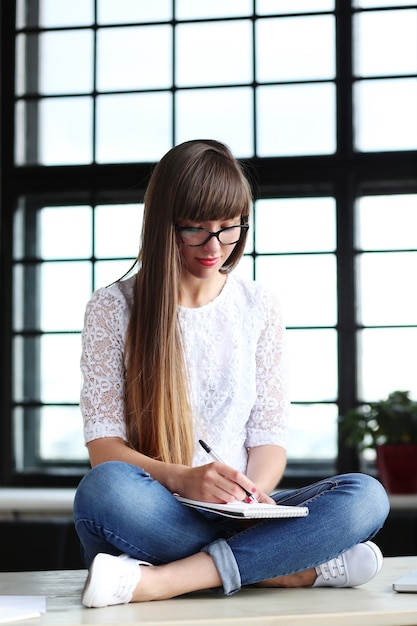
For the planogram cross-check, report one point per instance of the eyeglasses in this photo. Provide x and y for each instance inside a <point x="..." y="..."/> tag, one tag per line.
<point x="195" y="236"/>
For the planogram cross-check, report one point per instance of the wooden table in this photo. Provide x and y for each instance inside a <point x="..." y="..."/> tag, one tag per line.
<point x="372" y="604"/>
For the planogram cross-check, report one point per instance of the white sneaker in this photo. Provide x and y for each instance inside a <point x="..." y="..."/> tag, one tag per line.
<point x="352" y="568"/>
<point x="111" y="580"/>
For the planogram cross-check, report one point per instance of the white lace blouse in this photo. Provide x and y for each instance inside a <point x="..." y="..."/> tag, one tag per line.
<point x="236" y="358"/>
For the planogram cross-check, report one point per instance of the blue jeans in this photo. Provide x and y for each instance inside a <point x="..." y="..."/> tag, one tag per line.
<point x="119" y="508"/>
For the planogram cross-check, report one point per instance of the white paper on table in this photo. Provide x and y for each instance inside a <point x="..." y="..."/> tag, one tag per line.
<point x="14" y="608"/>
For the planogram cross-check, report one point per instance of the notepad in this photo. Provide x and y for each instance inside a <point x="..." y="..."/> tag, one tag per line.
<point x="248" y="511"/>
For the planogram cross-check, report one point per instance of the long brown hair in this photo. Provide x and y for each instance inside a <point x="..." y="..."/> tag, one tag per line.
<point x="198" y="180"/>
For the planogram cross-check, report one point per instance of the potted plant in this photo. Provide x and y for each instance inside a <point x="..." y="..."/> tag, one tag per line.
<point x="390" y="427"/>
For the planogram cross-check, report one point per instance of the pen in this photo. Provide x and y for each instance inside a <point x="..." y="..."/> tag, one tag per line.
<point x="210" y="451"/>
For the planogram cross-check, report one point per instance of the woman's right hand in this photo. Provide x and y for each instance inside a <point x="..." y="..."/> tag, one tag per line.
<point x="214" y="482"/>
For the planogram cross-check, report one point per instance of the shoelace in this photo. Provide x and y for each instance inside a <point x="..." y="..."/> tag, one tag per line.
<point x="332" y="569"/>
<point x="125" y="586"/>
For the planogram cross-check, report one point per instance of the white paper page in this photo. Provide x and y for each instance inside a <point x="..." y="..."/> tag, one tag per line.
<point x="14" y="608"/>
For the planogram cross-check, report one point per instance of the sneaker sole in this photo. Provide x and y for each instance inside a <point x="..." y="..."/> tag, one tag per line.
<point x="378" y="555"/>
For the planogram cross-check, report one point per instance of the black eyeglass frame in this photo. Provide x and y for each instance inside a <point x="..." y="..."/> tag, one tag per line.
<point x="243" y="229"/>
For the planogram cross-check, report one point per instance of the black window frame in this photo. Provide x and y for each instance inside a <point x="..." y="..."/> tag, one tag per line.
<point x="344" y="175"/>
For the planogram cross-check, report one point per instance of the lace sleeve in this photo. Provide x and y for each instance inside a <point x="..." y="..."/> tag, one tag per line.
<point x="268" y="422"/>
<point x="102" y="365"/>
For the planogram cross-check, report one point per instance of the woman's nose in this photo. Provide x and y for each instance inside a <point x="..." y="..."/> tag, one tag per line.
<point x="213" y="244"/>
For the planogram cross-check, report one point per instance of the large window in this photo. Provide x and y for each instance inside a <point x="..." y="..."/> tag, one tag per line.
<point x="318" y="97"/>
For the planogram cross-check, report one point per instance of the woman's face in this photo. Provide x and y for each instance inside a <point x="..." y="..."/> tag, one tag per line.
<point x="204" y="261"/>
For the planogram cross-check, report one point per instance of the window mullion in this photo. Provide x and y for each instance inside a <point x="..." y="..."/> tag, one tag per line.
<point x="346" y="299"/>
<point x="344" y="80"/>
<point x="31" y="115"/>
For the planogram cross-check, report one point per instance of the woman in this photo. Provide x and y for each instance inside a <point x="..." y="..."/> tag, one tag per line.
<point x="183" y="350"/>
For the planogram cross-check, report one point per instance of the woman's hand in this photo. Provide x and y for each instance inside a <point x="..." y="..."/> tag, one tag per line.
<point x="215" y="482"/>
<point x="263" y="498"/>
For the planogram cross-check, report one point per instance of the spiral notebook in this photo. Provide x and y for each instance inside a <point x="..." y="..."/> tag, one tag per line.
<point x="248" y="511"/>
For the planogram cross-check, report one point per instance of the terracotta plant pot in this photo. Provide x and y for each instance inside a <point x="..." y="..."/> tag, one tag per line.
<point x="397" y="467"/>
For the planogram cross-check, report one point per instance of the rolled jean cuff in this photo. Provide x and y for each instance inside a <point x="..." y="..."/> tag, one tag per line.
<point x="226" y="565"/>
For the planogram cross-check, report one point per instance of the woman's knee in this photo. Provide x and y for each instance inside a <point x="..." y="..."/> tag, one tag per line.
<point x="379" y="497"/>
<point x="371" y="504"/>
<point x="107" y="485"/>
<point x="371" y="489"/>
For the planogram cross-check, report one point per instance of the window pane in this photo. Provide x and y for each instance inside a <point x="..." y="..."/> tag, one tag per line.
<point x="313" y="365"/>
<point x="20" y="13"/>
<point x="293" y="6"/>
<point x="65" y="232"/>
<point x="107" y="272"/>
<point x="26" y="311"/>
<point x="373" y="30"/>
<point x="64" y="291"/>
<point x="386" y="288"/>
<point x="46" y="368"/>
<point x="65" y="135"/>
<point x="134" y="58"/>
<point x="229" y="61"/>
<point x="66" y="62"/>
<point x="365" y="4"/>
<point x="279" y="56"/>
<point x="61" y="437"/>
<point x="20" y="373"/>
<point x="21" y="70"/>
<point x="313" y="431"/>
<point x="387" y="222"/>
<point x="385" y="114"/>
<point x="20" y="133"/>
<point x="295" y="225"/>
<point x="29" y="49"/>
<point x="117" y="230"/>
<point x="296" y="119"/>
<point x="306" y="285"/>
<point x="190" y="9"/>
<point x="21" y="419"/>
<point x="134" y="127"/>
<point x="245" y="268"/>
<point x="19" y="230"/>
<point x="222" y="114"/>
<point x="387" y="362"/>
<point x="129" y="11"/>
<point x="18" y="301"/>
<point x="50" y="296"/>
<point x="65" y="13"/>
<point x="60" y="368"/>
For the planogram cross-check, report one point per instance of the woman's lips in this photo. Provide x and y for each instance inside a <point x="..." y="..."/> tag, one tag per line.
<point x="208" y="262"/>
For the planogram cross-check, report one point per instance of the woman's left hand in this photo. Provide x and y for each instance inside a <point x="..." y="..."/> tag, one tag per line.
<point x="263" y="498"/>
